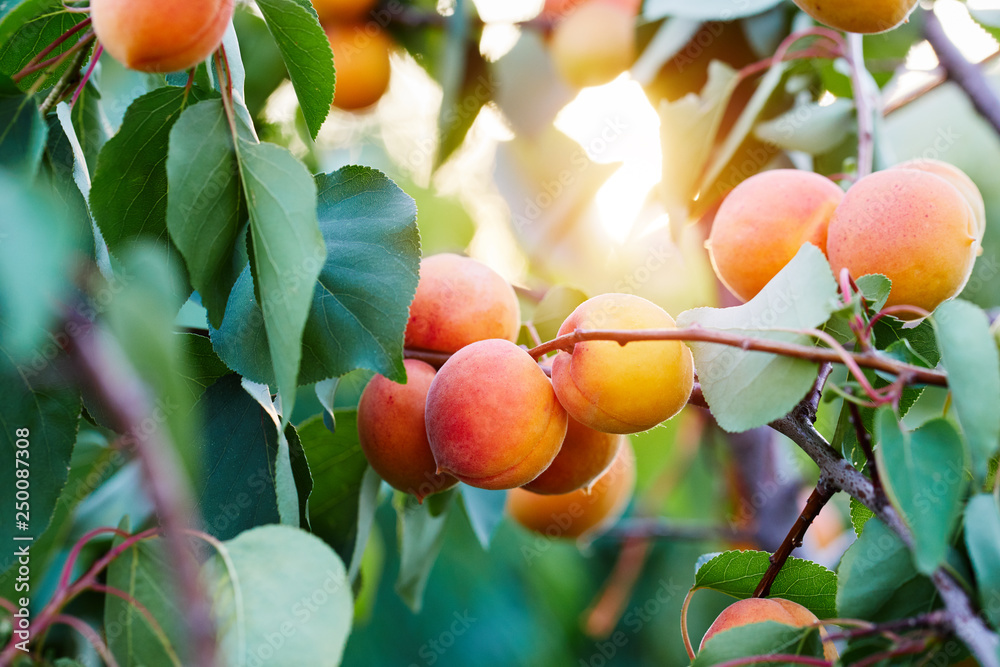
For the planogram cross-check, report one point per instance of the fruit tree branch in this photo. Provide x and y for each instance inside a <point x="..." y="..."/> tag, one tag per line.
<point x="865" y="102"/>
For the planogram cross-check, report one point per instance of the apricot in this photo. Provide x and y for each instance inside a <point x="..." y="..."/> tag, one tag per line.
<point x="758" y="610"/>
<point x="912" y="226"/>
<point x="622" y="388"/>
<point x="341" y="11"/>
<point x="555" y="10"/>
<point x="960" y="180"/>
<point x="493" y="420"/>
<point x="580" y="512"/>
<point x="863" y="16"/>
<point x="393" y="432"/>
<point x="763" y="222"/>
<point x="361" y="58"/>
<point x="460" y="301"/>
<point x="584" y="456"/>
<point x="594" y="44"/>
<point x="160" y="35"/>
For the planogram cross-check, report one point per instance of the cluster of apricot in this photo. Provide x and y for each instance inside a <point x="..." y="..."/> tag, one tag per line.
<point x="593" y="41"/>
<point x="360" y="51"/>
<point x="920" y="224"/>
<point x="492" y="418"/>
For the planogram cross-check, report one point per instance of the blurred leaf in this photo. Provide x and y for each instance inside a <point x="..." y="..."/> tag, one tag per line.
<point x="969" y="355"/>
<point x="22" y="130"/>
<point x="557" y="304"/>
<point x="49" y="22"/>
<point x="721" y="10"/>
<point x="859" y="516"/>
<point x="749" y="389"/>
<point x="260" y="56"/>
<point x="737" y="573"/>
<point x="204" y="367"/>
<point x="281" y="592"/>
<point x="810" y="128"/>
<point x="767" y="638"/>
<point x="924" y="475"/>
<point x="464" y="85"/>
<point x="529" y="91"/>
<point x="444" y="223"/>
<point x="16" y="13"/>
<point x="672" y="36"/>
<point x="485" y="510"/>
<point x="421" y="534"/>
<point x="307" y="55"/>
<point x="982" y="537"/>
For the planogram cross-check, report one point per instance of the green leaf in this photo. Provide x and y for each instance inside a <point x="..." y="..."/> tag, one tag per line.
<point x="982" y="537"/>
<point x="969" y="355"/>
<point x="485" y="511"/>
<point x="16" y="13"/>
<point x="464" y="86"/>
<point x="859" y="516"/>
<point x="129" y="194"/>
<point x="421" y="535"/>
<point x="307" y="55"/>
<point x="875" y="287"/>
<point x="35" y="34"/>
<point x="737" y="573"/>
<point x="557" y="304"/>
<point x="280" y="592"/>
<point x="809" y="127"/>
<point x="205" y="209"/>
<point x="767" y="638"/>
<point x="924" y="476"/>
<point x="23" y="131"/>
<point x="288" y="254"/>
<point x="712" y="10"/>
<point x="204" y="366"/>
<point x="749" y="389"/>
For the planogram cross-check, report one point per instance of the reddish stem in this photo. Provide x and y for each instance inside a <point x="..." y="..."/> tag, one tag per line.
<point x="55" y="44"/>
<point x="86" y="77"/>
<point x="603" y="616"/>
<point x="91" y="636"/>
<point x="55" y="60"/>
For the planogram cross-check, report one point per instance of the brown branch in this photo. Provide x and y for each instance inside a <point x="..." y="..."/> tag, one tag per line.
<point x="865" y="441"/>
<point x="865" y="102"/>
<point x="662" y="529"/>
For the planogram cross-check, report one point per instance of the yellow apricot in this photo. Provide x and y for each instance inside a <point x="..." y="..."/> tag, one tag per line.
<point x="341" y="10"/>
<point x="594" y="44"/>
<point x="863" y="16"/>
<point x="911" y="226"/>
<point x="960" y="180"/>
<point x="493" y="420"/>
<point x="460" y="301"/>
<point x="622" y="389"/>
<point x="584" y="456"/>
<point x="393" y="432"/>
<point x="758" y="610"/>
<point x="579" y="512"/>
<point x="160" y="35"/>
<point x="763" y="222"/>
<point x="361" y="58"/>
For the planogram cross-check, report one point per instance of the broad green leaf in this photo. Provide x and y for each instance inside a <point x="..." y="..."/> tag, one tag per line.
<point x="710" y="10"/>
<point x="205" y="209"/>
<point x="810" y="127"/>
<point x="765" y="638"/>
<point x="22" y="130"/>
<point x="16" y="13"/>
<point x="129" y="193"/>
<point x="875" y="287"/>
<point x="307" y="55"/>
<point x="485" y="511"/>
<point x="982" y="537"/>
<point x="859" y="516"/>
<point x="421" y="535"/>
<point x="749" y="389"/>
<point x="204" y="366"/>
<point x="969" y="355"/>
<point x="924" y="475"/>
<point x="34" y="35"/>
<point x="288" y="254"/>
<point x="282" y="593"/>
<point x="737" y="573"/>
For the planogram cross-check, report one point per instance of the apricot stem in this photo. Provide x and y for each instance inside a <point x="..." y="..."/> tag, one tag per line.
<point x="865" y="441"/>
<point x="86" y="77"/>
<point x="864" y="103"/>
<point x="55" y="60"/>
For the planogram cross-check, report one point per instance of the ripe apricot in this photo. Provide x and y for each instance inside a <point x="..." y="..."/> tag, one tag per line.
<point x="960" y="180"/>
<point x="361" y="57"/>
<point x="863" y="16"/>
<point x="622" y="389"/>
<point x="493" y="420"/>
<point x="580" y="512"/>
<point x="460" y="301"/>
<point x="758" y="610"/>
<point x="594" y="44"/>
<point x="555" y="10"/>
<point x="393" y="432"/>
<point x="764" y="221"/>
<point x="912" y="226"/>
<point x="341" y="11"/>
<point x="584" y="456"/>
<point x="160" y="35"/>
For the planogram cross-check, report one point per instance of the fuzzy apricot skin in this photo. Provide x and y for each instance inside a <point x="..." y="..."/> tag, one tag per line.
<point x="863" y="16"/>
<point x="584" y="456"/>
<point x="622" y="389"/>
<point x="578" y="513"/>
<point x="330" y="11"/>
<point x="459" y="301"/>
<point x="763" y="222"/>
<point x="493" y="420"/>
<point x="960" y="180"/>
<point x="911" y="226"/>
<point x="361" y="58"/>
<point x="593" y="44"/>
<point x="758" y="610"/>
<point x="393" y="432"/>
<point x="160" y="35"/>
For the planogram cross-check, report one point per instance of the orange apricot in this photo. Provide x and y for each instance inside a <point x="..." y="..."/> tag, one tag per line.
<point x="361" y="58"/>
<point x="160" y="35"/>
<point x="584" y="456"/>
<point x="342" y="10"/>
<point x="960" y="180"/>
<point x="460" y="301"/>
<point x="493" y="420"/>
<point x="763" y="222"/>
<point x="393" y="432"/>
<point x="863" y="16"/>
<point x="594" y="43"/>
<point x="758" y="610"/>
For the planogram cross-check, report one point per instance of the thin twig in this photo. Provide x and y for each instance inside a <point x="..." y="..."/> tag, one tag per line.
<point x="864" y="103"/>
<point x="90" y="635"/>
<point x="663" y="529"/>
<point x="865" y="441"/>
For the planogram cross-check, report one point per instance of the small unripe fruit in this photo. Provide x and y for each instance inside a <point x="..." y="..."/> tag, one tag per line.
<point x="393" y="432"/>
<point x="160" y="35"/>
<point x="493" y="420"/>
<point x="580" y="512"/>
<point x="758" y="610"/>
<point x="622" y="388"/>
<point x="960" y="180"/>
<point x="460" y="301"/>
<point x="763" y="223"/>
<point x="862" y="16"/>
<point x="361" y="58"/>
<point x="341" y="11"/>
<point x="584" y="456"/>
<point x="594" y="44"/>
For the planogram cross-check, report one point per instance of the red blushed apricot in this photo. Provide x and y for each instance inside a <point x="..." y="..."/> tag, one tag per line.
<point x="361" y="58"/>
<point x="580" y="512"/>
<point x="863" y="16"/>
<point x="160" y="35"/>
<point x="594" y="43"/>
<point x="493" y="420"/>
<point x="911" y="226"/>
<point x="393" y="432"/>
<point x="584" y="456"/>
<point x="758" y="610"/>
<point x="960" y="180"/>
<point x="341" y="11"/>
<point x="622" y="388"/>
<point x="763" y="222"/>
<point x="460" y="301"/>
